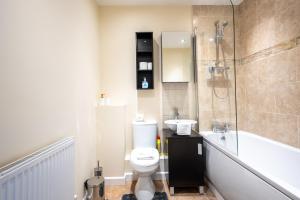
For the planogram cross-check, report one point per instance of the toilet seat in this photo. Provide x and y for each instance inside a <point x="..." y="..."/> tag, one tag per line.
<point x="144" y="157"/>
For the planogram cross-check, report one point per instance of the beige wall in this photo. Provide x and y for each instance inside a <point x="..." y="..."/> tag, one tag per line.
<point x="118" y="75"/>
<point x="269" y="74"/>
<point x="111" y="122"/>
<point x="49" y="55"/>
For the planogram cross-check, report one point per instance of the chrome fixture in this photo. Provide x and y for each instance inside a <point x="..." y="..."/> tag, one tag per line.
<point x="219" y="39"/>
<point x="221" y="127"/>
<point x="176" y="113"/>
<point x="219" y="71"/>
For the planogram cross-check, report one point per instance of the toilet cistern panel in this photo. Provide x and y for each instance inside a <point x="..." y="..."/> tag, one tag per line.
<point x="144" y="134"/>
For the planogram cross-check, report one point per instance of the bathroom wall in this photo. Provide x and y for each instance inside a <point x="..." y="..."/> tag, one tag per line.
<point x="268" y="75"/>
<point x="111" y="122"/>
<point x="118" y="75"/>
<point x="49" y="58"/>
<point x="268" y="67"/>
<point x="212" y="108"/>
<point x="181" y="96"/>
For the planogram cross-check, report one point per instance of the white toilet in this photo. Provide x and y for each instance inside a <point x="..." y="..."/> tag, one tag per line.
<point x="144" y="158"/>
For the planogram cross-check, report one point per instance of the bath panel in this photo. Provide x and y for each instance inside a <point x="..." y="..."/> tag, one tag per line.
<point x="262" y="170"/>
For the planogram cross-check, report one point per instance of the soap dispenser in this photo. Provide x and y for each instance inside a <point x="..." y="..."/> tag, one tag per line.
<point x="145" y="84"/>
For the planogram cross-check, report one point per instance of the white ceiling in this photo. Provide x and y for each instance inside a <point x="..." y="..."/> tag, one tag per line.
<point x="167" y="2"/>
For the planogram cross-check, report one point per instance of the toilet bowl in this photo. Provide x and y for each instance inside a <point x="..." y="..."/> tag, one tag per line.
<point x="144" y="158"/>
<point x="145" y="162"/>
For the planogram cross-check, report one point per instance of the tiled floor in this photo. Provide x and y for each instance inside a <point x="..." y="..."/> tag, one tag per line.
<point x="116" y="192"/>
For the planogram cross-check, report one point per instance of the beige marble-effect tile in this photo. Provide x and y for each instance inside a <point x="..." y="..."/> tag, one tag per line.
<point x="253" y="43"/>
<point x="287" y="98"/>
<point x="116" y="192"/>
<point x="284" y="5"/>
<point x="298" y="124"/>
<point x="287" y="20"/>
<point x="251" y="74"/>
<point x="180" y="96"/>
<point x="268" y="82"/>
<point x="205" y="17"/>
<point x="266" y="34"/>
<point x="258" y="95"/>
<point x="167" y="109"/>
<point x="295" y="53"/>
<point x="279" y="68"/>
<point x="248" y="8"/>
<point x="278" y="127"/>
<point x="282" y="128"/>
<point x="240" y="87"/>
<point x="175" y="86"/>
<point x="243" y="51"/>
<point x="204" y="98"/>
<point x="265" y="10"/>
<point x="242" y="120"/>
<point x="256" y="122"/>
<point x="218" y="11"/>
<point x="205" y="120"/>
<point x="202" y="10"/>
<point x="261" y="28"/>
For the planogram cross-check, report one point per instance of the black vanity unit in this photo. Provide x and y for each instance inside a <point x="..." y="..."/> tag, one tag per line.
<point x="144" y="53"/>
<point x="185" y="161"/>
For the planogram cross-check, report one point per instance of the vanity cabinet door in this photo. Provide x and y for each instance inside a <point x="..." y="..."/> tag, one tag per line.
<point x="186" y="163"/>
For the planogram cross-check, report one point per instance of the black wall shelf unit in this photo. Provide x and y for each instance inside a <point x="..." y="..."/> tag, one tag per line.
<point x="144" y="53"/>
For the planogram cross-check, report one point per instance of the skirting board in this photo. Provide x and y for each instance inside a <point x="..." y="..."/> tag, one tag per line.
<point x="130" y="176"/>
<point x="115" y="180"/>
<point x="214" y="190"/>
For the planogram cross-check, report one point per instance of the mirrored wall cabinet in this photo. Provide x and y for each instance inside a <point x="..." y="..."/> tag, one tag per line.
<point x="177" y="57"/>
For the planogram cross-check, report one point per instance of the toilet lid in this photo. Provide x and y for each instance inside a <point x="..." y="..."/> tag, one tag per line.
<point x="144" y="156"/>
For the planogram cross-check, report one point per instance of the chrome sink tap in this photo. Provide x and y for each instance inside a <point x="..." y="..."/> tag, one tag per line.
<point x="176" y="113"/>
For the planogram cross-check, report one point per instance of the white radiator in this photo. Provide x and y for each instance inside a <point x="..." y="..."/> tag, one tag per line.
<point x="47" y="174"/>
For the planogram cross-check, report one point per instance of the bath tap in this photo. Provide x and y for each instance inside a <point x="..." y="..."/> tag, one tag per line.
<point x="221" y="127"/>
<point x="227" y="127"/>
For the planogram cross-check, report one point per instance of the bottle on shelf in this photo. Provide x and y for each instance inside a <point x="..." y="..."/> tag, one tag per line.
<point x="145" y="84"/>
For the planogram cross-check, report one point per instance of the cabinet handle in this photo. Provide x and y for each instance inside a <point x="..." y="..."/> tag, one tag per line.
<point x="199" y="149"/>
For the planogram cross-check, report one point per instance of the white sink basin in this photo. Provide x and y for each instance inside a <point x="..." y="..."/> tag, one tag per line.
<point x="172" y="124"/>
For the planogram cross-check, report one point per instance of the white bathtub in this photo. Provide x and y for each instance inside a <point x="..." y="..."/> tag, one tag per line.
<point x="259" y="169"/>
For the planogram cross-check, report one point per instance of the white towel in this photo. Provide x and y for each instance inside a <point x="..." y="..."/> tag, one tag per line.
<point x="184" y="128"/>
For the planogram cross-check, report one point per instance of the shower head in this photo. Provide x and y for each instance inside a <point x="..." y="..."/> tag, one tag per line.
<point x="224" y="23"/>
<point x="221" y="24"/>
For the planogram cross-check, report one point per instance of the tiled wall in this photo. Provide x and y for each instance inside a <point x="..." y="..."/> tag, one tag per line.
<point x="268" y="75"/>
<point x="268" y="67"/>
<point x="212" y="108"/>
<point x="181" y="96"/>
